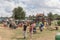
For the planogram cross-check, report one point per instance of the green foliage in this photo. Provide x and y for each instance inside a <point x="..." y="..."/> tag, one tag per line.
<point x="50" y="15"/>
<point x="31" y="17"/>
<point x="58" y="23"/>
<point x="56" y="16"/>
<point x="18" y="13"/>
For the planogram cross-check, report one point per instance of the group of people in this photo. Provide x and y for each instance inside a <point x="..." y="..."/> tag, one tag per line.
<point x="9" y="23"/>
<point x="32" y="26"/>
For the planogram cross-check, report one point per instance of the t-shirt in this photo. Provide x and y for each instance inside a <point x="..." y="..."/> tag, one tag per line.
<point x="40" y="23"/>
<point x="25" y="27"/>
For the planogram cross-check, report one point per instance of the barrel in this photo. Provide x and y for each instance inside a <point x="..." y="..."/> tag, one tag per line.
<point x="57" y="37"/>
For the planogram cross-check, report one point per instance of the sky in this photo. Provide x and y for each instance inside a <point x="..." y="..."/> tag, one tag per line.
<point x="31" y="7"/>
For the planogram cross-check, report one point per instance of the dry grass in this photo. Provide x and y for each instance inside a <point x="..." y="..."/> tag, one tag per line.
<point x="17" y="34"/>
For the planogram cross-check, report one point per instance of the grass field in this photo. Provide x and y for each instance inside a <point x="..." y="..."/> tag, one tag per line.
<point x="17" y="34"/>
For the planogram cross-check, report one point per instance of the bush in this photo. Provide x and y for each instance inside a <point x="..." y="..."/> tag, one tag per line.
<point x="58" y="23"/>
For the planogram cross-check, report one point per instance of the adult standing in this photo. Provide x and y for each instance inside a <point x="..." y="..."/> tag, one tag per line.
<point x="24" y="29"/>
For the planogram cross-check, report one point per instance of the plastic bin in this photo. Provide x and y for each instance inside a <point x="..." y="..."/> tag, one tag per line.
<point x="57" y="37"/>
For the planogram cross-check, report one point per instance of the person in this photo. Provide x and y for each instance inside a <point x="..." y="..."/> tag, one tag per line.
<point x="56" y="26"/>
<point x="12" y="24"/>
<point x="34" y="27"/>
<point x="41" y="26"/>
<point x="4" y="24"/>
<point x="8" y="22"/>
<point x="46" y="24"/>
<point x="24" y="29"/>
<point x="31" y="29"/>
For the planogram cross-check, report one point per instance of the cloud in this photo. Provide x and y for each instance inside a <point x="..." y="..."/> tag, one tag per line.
<point x="32" y="7"/>
<point x="53" y="3"/>
<point x="7" y="6"/>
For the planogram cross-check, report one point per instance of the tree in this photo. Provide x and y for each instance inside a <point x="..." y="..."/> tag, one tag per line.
<point x="56" y="16"/>
<point x="30" y="17"/>
<point x="50" y="16"/>
<point x="18" y="13"/>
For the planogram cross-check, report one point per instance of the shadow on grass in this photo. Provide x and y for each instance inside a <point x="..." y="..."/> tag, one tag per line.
<point x="19" y="38"/>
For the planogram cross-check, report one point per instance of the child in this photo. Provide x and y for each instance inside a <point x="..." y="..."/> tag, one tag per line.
<point x="24" y="29"/>
<point x="41" y="26"/>
<point x="32" y="25"/>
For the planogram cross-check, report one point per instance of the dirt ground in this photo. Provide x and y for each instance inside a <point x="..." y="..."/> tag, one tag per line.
<point x="17" y="34"/>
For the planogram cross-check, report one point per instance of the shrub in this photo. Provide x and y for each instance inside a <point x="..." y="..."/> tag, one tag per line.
<point x="58" y="22"/>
